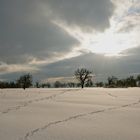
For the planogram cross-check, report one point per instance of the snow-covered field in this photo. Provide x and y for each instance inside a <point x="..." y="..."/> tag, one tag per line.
<point x="70" y="114"/>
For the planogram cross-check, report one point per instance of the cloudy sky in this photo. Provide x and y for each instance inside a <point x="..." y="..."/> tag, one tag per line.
<point x="52" y="38"/>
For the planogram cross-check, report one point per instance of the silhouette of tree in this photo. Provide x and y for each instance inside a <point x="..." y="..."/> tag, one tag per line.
<point x="83" y="76"/>
<point x="46" y="85"/>
<point x="89" y="83"/>
<point x="25" y="81"/>
<point x="71" y="84"/>
<point x="57" y="84"/>
<point x="138" y="80"/>
<point x="4" y="84"/>
<point x="131" y="82"/>
<point x="112" y="81"/>
<point x="37" y="85"/>
<point x="99" y="84"/>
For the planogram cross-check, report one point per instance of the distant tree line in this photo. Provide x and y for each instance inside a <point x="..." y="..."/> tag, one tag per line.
<point x="24" y="81"/>
<point x="114" y="82"/>
<point x="83" y="76"/>
<point x="59" y="84"/>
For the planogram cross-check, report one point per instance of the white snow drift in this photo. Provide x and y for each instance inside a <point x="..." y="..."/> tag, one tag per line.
<point x="70" y="114"/>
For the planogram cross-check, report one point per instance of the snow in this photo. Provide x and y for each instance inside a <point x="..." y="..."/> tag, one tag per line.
<point x="70" y="114"/>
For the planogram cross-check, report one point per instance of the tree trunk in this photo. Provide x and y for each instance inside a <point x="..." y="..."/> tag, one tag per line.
<point x="82" y="85"/>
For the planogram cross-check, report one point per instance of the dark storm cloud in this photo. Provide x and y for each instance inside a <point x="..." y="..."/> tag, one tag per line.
<point x="27" y="33"/>
<point x="84" y="13"/>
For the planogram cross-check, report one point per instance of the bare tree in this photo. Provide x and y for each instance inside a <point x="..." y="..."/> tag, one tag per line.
<point x="25" y="81"/>
<point x="37" y="84"/>
<point x="83" y="76"/>
<point x="57" y="84"/>
<point x="138" y="80"/>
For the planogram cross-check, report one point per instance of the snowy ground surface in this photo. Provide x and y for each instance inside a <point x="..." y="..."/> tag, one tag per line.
<point x="70" y="114"/>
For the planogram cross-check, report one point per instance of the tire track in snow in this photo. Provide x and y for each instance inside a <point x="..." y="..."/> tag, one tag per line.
<point x="28" y="135"/>
<point x="25" y="104"/>
<point x="114" y="96"/>
<point x="2" y="94"/>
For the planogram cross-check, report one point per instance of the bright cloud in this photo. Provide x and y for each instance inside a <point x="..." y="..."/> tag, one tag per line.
<point x="122" y="34"/>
